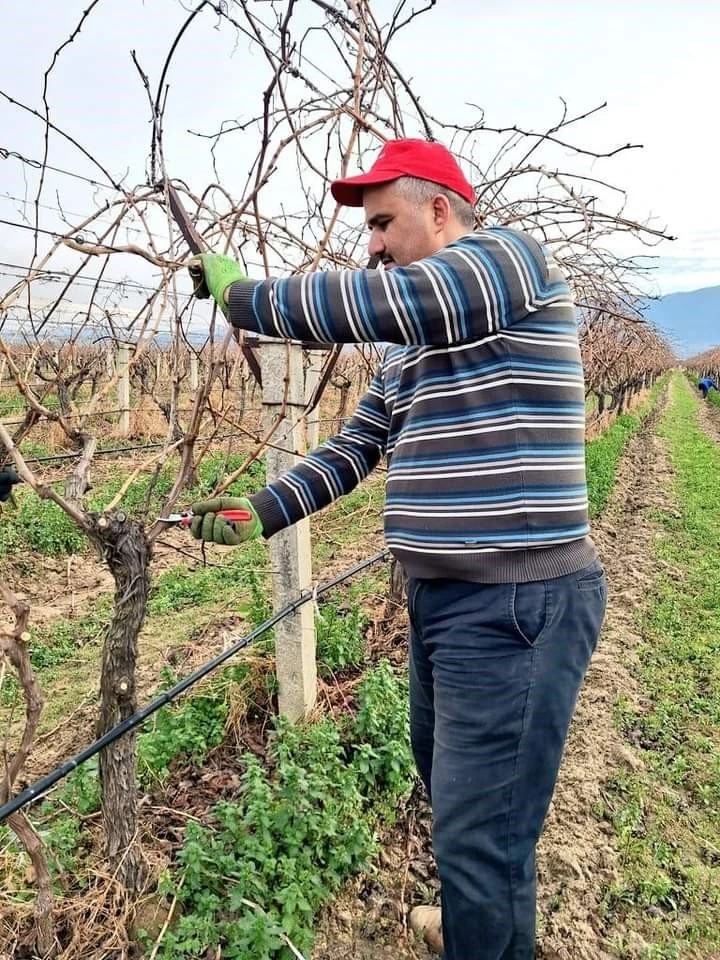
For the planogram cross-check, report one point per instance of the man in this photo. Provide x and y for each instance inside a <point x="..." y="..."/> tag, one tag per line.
<point x="479" y="406"/>
<point x="706" y="385"/>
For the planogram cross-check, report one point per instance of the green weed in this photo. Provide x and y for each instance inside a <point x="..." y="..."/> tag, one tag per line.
<point x="11" y="402"/>
<point x="44" y="527"/>
<point x="65" y="839"/>
<point x="381" y="733"/>
<point x="32" y="449"/>
<point x="188" y="730"/>
<point x="213" y="469"/>
<point x="301" y="826"/>
<point x="9" y="691"/>
<point x="144" y="495"/>
<point x="602" y="457"/>
<point x="340" y="636"/>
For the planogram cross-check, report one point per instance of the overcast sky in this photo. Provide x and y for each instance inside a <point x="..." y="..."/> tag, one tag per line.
<point x="655" y="63"/>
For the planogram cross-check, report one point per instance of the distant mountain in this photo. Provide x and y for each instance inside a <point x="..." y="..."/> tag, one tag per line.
<point x="691" y="321"/>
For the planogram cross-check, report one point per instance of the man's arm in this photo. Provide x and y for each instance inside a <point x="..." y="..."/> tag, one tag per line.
<point x="478" y="285"/>
<point x="333" y="469"/>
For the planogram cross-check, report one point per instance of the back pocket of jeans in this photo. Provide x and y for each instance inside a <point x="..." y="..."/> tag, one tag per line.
<point x="529" y="610"/>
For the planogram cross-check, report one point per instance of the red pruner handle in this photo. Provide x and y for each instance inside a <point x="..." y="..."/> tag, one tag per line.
<point x="229" y="515"/>
<point x="232" y="515"/>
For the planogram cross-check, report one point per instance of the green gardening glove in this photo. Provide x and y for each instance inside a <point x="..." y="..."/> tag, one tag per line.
<point x="212" y="274"/>
<point x="207" y="525"/>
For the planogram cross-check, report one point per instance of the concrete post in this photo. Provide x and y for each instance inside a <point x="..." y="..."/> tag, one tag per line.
<point x="313" y="370"/>
<point x="282" y="375"/>
<point x="194" y="372"/>
<point x="123" y="387"/>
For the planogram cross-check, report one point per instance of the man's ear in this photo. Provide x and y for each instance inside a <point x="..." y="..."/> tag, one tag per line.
<point x="441" y="211"/>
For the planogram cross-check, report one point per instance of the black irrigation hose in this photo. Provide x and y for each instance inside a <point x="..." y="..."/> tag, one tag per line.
<point x="112" y="450"/>
<point x="40" y="787"/>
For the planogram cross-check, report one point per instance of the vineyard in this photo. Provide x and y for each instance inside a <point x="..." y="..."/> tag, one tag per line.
<point x="206" y="749"/>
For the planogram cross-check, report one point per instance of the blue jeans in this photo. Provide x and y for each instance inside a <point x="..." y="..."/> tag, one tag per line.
<point x="495" y="670"/>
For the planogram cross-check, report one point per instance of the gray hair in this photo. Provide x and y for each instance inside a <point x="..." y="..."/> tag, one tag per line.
<point x="420" y="191"/>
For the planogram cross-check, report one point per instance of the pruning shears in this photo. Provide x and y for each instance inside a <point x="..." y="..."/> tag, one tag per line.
<point x="197" y="245"/>
<point x="185" y="519"/>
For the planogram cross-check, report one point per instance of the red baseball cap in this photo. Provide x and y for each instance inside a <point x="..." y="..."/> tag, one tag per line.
<point x="405" y="158"/>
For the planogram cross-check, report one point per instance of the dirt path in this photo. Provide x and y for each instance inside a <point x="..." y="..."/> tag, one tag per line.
<point x="577" y="857"/>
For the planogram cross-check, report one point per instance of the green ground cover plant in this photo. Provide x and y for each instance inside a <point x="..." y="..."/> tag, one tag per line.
<point x="666" y="814"/>
<point x="602" y="455"/>
<point x="251" y="882"/>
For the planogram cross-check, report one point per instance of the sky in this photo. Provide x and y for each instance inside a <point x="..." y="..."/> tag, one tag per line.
<point x="656" y="65"/>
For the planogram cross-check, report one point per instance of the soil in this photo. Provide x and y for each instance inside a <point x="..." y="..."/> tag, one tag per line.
<point x="577" y="857"/>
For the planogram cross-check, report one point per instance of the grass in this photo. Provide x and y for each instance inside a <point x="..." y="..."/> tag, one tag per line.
<point x="66" y="646"/>
<point x="603" y="454"/>
<point x="358" y="516"/>
<point x="591" y="403"/>
<point x="38" y="526"/>
<point x="667" y="814"/>
<point x="183" y="602"/>
<point x="60" y="641"/>
<point x="239" y="572"/>
<point x="32" y="449"/>
<point x="11" y="402"/>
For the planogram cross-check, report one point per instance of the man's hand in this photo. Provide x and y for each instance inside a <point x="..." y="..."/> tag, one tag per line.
<point x="205" y="525"/>
<point x="212" y="274"/>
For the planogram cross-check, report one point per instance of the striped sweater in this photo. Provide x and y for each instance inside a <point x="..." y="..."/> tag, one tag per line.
<point x="478" y="404"/>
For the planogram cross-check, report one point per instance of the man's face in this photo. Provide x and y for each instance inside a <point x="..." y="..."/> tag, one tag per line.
<point x="401" y="231"/>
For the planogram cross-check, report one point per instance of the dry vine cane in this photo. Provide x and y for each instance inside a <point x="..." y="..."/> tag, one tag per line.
<point x="705" y="364"/>
<point x="621" y="357"/>
<point x="14" y="650"/>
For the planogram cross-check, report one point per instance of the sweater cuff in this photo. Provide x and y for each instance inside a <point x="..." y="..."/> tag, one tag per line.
<point x="268" y="509"/>
<point x="240" y="308"/>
